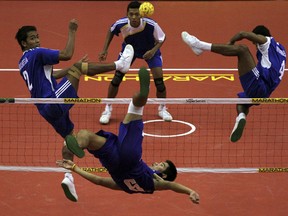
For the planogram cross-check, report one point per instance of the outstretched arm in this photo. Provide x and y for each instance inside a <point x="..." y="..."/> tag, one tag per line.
<point x="161" y="184"/>
<point x="103" y="55"/>
<point x="254" y="38"/>
<point x="98" y="180"/>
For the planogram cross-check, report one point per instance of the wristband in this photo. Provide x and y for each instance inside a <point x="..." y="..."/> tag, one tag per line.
<point x="84" y="67"/>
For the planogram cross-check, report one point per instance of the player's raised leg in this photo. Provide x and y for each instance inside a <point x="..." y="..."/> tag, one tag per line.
<point x="192" y="42"/>
<point x="136" y="106"/>
<point x="125" y="60"/>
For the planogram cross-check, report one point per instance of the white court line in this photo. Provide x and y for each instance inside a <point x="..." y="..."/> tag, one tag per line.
<point x="180" y="170"/>
<point x="193" y="128"/>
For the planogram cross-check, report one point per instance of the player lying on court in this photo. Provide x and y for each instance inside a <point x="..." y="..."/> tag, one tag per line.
<point x="122" y="154"/>
<point x="36" y="68"/>
<point x="259" y="79"/>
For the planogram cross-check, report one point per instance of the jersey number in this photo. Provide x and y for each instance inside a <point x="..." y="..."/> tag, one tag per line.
<point x="281" y="71"/>
<point x="26" y="77"/>
<point x="132" y="185"/>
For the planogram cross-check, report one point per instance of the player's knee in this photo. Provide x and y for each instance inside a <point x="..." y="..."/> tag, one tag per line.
<point x="243" y="48"/>
<point x="117" y="79"/>
<point x="82" y="133"/>
<point x="84" y="137"/>
<point x="159" y="83"/>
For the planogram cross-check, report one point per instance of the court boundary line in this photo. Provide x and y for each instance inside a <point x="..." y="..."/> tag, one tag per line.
<point x="192" y="130"/>
<point x="180" y="170"/>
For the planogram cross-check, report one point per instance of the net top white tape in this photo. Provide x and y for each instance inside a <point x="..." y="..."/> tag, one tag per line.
<point x="150" y="100"/>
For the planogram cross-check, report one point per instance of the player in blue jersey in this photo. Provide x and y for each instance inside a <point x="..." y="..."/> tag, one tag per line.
<point x="146" y="36"/>
<point x="258" y="79"/>
<point x="36" y="68"/>
<point x="122" y="154"/>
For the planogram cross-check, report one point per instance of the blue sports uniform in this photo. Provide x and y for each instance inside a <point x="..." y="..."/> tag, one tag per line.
<point x="262" y="80"/>
<point x="36" y="67"/>
<point x="121" y="156"/>
<point x="142" y="38"/>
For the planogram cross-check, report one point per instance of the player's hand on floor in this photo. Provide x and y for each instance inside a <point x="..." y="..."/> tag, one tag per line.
<point x="194" y="197"/>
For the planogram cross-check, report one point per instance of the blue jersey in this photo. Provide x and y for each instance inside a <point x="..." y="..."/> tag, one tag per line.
<point x="142" y="38"/>
<point x="122" y="156"/>
<point x="271" y="62"/>
<point x="36" y="67"/>
<point x="262" y="80"/>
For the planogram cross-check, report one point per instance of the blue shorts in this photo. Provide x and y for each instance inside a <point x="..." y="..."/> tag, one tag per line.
<point x="254" y="85"/>
<point x="123" y="152"/>
<point x="155" y="61"/>
<point x="58" y="114"/>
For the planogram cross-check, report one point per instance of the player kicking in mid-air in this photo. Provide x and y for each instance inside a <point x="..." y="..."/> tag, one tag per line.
<point x="122" y="154"/>
<point x="36" y="68"/>
<point x="259" y="79"/>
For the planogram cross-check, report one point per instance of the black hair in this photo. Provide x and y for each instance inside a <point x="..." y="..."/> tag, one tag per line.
<point x="22" y="34"/>
<point x="262" y="30"/>
<point x="133" y="5"/>
<point x="171" y="171"/>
